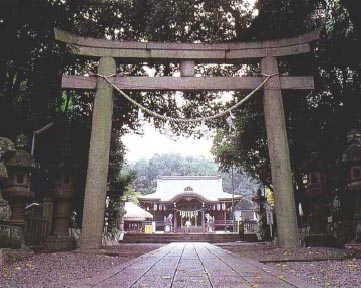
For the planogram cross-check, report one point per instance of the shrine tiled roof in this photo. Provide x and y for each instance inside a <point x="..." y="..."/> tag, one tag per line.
<point x="170" y="188"/>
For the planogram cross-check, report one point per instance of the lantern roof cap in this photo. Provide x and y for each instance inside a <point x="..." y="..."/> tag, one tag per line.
<point x="7" y="147"/>
<point x="353" y="151"/>
<point x="352" y="154"/>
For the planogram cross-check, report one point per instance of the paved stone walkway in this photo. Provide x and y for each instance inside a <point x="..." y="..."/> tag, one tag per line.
<point x="193" y="265"/>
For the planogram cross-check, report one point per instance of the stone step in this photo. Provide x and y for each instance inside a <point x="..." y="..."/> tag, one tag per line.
<point x="180" y="237"/>
<point x="250" y="237"/>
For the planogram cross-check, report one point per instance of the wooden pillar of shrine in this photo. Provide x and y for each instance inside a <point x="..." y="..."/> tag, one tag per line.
<point x="279" y="157"/>
<point x="96" y="182"/>
<point x="175" y="221"/>
<point x="203" y="222"/>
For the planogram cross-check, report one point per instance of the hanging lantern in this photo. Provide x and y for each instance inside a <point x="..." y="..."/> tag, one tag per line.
<point x="140" y="115"/>
<point x="231" y="120"/>
<point x="300" y="210"/>
<point x="204" y="130"/>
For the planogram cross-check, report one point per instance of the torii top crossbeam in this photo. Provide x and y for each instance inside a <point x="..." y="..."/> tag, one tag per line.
<point x="130" y="51"/>
<point x="187" y="54"/>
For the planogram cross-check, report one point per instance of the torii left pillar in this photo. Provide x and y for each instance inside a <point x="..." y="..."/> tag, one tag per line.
<point x="96" y="181"/>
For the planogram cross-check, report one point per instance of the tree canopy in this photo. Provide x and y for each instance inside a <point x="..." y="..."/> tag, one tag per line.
<point x="317" y="122"/>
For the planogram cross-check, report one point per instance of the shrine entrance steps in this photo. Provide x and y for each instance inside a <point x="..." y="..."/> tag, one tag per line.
<point x="186" y="237"/>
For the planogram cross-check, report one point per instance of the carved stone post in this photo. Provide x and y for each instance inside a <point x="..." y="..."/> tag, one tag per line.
<point x="5" y="210"/>
<point x="63" y="205"/>
<point x="61" y="209"/>
<point x="279" y="157"/>
<point x="48" y="208"/>
<point x="120" y="216"/>
<point x="96" y="182"/>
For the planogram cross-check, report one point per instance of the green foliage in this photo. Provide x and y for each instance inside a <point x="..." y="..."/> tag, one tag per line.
<point x="316" y="122"/>
<point x="121" y="185"/>
<point x="132" y="195"/>
<point x="148" y="170"/>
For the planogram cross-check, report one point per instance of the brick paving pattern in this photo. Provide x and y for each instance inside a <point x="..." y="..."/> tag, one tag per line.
<point x="193" y="265"/>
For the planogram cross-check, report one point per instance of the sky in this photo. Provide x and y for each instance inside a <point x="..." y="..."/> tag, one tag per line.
<point x="152" y="142"/>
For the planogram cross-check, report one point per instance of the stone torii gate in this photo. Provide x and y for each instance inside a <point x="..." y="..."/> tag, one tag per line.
<point x="187" y="54"/>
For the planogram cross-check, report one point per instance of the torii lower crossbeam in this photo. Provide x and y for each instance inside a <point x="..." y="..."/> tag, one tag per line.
<point x="187" y="83"/>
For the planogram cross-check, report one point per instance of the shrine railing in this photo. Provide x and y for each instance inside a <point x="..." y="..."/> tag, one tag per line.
<point x="223" y="222"/>
<point x="191" y="229"/>
<point x="250" y="226"/>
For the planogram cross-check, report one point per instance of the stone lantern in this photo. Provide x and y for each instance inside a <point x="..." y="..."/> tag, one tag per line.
<point x="352" y="199"/>
<point x="317" y="194"/>
<point x="17" y="188"/>
<point x="64" y="190"/>
<point x="352" y="159"/>
<point x="6" y="148"/>
<point x="63" y="207"/>
<point x="316" y="181"/>
<point x="120" y="212"/>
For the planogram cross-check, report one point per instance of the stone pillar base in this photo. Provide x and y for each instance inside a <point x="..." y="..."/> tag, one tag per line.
<point x="59" y="243"/>
<point x="15" y="222"/>
<point x="8" y="256"/>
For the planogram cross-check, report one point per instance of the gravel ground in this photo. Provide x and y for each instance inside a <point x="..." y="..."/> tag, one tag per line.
<point x="332" y="273"/>
<point x="55" y="269"/>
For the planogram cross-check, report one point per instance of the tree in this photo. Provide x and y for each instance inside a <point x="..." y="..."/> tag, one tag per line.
<point x="317" y="123"/>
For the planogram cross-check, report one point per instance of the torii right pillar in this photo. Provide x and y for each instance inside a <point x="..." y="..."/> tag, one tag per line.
<point x="279" y="154"/>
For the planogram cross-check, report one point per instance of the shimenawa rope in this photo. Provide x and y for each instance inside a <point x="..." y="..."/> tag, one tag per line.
<point x="199" y="119"/>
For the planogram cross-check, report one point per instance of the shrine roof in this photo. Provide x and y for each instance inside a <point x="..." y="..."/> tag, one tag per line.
<point x="135" y="213"/>
<point x="208" y="188"/>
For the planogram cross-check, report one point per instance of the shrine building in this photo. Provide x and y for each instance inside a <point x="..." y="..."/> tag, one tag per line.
<point x="195" y="204"/>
